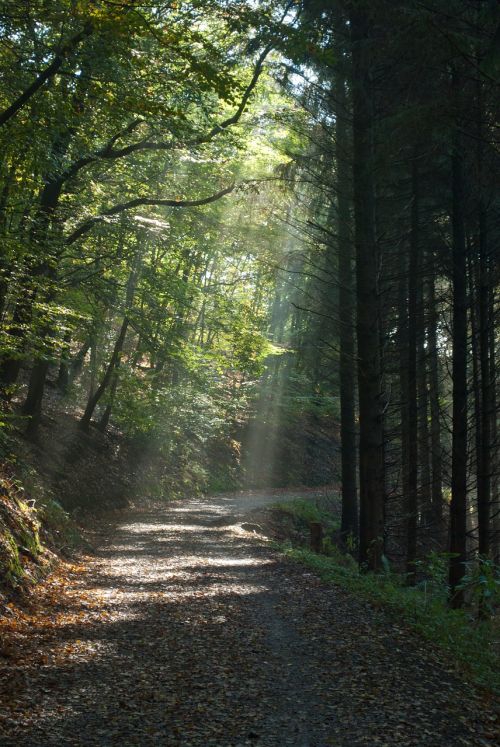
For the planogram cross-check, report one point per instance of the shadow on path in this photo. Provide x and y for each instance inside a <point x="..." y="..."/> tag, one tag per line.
<point x="188" y="630"/>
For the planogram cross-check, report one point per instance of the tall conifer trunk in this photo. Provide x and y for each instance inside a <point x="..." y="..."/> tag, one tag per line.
<point x="458" y="504"/>
<point x="371" y="433"/>
<point x="413" y="279"/>
<point x="486" y="323"/>
<point x="347" y="372"/>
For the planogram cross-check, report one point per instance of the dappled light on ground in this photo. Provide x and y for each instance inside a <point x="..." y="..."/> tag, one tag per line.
<point x="189" y="630"/>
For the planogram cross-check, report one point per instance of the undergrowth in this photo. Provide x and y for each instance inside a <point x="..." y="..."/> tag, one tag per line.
<point x="302" y="513"/>
<point x="469" y="635"/>
<point x="32" y="526"/>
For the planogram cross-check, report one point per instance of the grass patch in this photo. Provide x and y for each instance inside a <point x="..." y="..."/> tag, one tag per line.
<point x="296" y="516"/>
<point x="471" y="642"/>
<point x="305" y="511"/>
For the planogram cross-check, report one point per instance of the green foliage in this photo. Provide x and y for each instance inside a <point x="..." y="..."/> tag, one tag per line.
<point x="434" y="570"/>
<point x="481" y="584"/>
<point x="59" y="529"/>
<point x="296" y="516"/>
<point x="20" y="544"/>
<point x="7" y="424"/>
<point x="149" y="107"/>
<point x="306" y="512"/>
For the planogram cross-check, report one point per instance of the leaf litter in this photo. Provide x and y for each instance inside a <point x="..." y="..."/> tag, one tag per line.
<point x="185" y="629"/>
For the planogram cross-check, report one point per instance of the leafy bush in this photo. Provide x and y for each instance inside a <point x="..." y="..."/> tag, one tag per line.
<point x="481" y="585"/>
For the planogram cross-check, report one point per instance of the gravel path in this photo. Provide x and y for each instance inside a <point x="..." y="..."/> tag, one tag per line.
<point x="188" y="630"/>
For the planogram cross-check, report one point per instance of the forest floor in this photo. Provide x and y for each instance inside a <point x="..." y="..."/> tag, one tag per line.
<point x="187" y="629"/>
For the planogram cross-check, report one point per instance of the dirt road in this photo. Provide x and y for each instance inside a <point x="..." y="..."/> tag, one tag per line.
<point x="188" y="630"/>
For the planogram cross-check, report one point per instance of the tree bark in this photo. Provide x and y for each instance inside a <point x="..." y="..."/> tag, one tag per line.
<point x="458" y="504"/>
<point x="413" y="279"/>
<point x="371" y="435"/>
<point x="347" y="366"/>
<point x="104" y="421"/>
<point x="63" y="372"/>
<point x="435" y="410"/>
<point x="97" y="396"/>
<point x="32" y="407"/>
<point x="111" y="370"/>
<point x="425" y="480"/>
<point x="486" y="323"/>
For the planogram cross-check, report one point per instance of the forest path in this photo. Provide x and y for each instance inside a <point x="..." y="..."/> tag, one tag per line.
<point x="188" y="630"/>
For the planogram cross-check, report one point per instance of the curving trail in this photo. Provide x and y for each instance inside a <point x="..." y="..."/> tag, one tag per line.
<point x="188" y="630"/>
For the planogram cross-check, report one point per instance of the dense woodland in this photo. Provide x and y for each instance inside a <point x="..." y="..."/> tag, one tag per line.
<point x="259" y="242"/>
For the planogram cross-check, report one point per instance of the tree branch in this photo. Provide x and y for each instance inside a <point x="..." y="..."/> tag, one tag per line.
<point x="108" y="153"/>
<point x="46" y="74"/>
<point x="138" y="201"/>
<point x="101" y="153"/>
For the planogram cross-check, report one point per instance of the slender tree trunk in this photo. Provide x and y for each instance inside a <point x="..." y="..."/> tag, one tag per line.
<point x="104" y="421"/>
<point x="93" y="365"/>
<point x="76" y="365"/>
<point x="494" y="458"/>
<point x="484" y="472"/>
<point x="32" y="407"/>
<point x="458" y="504"/>
<point x="484" y="461"/>
<point x="349" y="521"/>
<point x="403" y="380"/>
<point x="435" y="411"/>
<point x="111" y="372"/>
<point x="476" y="375"/>
<point x="371" y="433"/>
<point x="425" y="497"/>
<point x="108" y="375"/>
<point x="5" y="266"/>
<point x="63" y="372"/>
<point x="413" y="280"/>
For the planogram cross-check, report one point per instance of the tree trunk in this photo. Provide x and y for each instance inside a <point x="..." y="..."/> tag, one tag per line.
<point x="424" y="496"/>
<point x="347" y="372"/>
<point x="476" y="375"/>
<point x="32" y="407"/>
<point x="110" y="372"/>
<point x="458" y="504"/>
<point x="403" y="379"/>
<point x="104" y="421"/>
<point x="413" y="279"/>
<point x="371" y="451"/>
<point x="486" y="323"/>
<point x="494" y="454"/>
<point x="435" y="411"/>
<point x="76" y="365"/>
<point x="63" y="372"/>
<point x="97" y="396"/>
